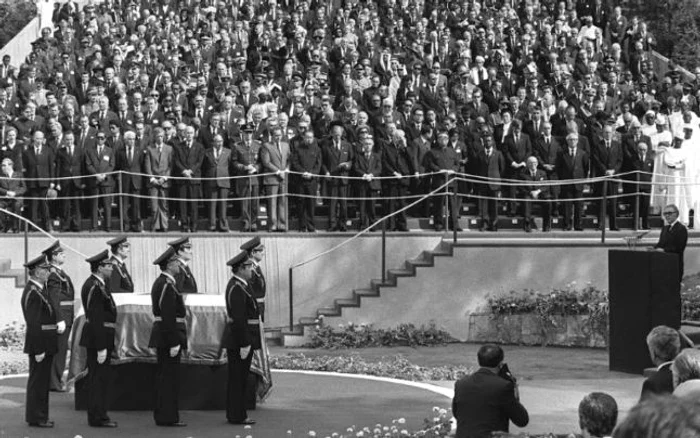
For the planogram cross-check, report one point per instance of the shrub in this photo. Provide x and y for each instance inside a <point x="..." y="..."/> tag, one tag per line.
<point x="14" y="16"/>
<point x="365" y="335"/>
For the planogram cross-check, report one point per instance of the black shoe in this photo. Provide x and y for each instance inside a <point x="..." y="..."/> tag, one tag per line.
<point x="343" y="228"/>
<point x="107" y="423"/>
<point x="614" y="229"/>
<point x="45" y="424"/>
<point x="567" y="228"/>
<point x="546" y="229"/>
<point x="527" y="229"/>
<point x="578" y="228"/>
<point x="212" y="228"/>
<point x="439" y="227"/>
<point x="254" y="228"/>
<point x="457" y="229"/>
<point x="247" y="421"/>
<point x="176" y="424"/>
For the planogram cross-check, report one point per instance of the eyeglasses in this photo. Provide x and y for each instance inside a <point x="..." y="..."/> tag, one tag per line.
<point x="670" y="213"/>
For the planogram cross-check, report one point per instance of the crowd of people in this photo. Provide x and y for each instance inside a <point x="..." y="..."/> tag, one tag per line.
<point x="182" y="105"/>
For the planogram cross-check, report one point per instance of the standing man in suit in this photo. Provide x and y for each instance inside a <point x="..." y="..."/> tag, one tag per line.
<point x="241" y="336"/>
<point x="59" y="288"/>
<point x="184" y="279"/>
<point x="337" y="161"/>
<point x="534" y="192"/>
<point x="120" y="280"/>
<point x="546" y="150"/>
<point x="216" y="168"/>
<point x="490" y="165"/>
<point x="644" y="164"/>
<point x="275" y="160"/>
<point x="607" y="162"/>
<point x="488" y="399"/>
<point x="169" y="338"/>
<point x="130" y="160"/>
<point x="664" y="345"/>
<point x="70" y="163"/>
<point x="368" y="166"/>
<point x="40" y="342"/>
<point x="306" y="160"/>
<point x="572" y="165"/>
<point x="258" y="286"/>
<point x="445" y="161"/>
<point x="39" y="164"/>
<point x="517" y="148"/>
<point x="397" y="163"/>
<point x="674" y="236"/>
<point x="188" y="165"/>
<point x="98" y="337"/>
<point x="158" y="163"/>
<point x="99" y="161"/>
<point x="246" y="156"/>
<point x="12" y="186"/>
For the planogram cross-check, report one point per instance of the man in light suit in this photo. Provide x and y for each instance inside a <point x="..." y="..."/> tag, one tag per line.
<point x="275" y="160"/>
<point x="11" y="188"/>
<point x="158" y="163"/>
<point x="99" y="162"/>
<point x="216" y="164"/>
<point x="130" y="159"/>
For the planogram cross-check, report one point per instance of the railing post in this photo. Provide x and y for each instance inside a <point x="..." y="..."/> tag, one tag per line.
<point x="446" y="203"/>
<point x="603" y="212"/>
<point x="120" y="182"/>
<point x="454" y="225"/>
<point x="636" y="202"/>
<point x="383" y="251"/>
<point x="26" y="250"/>
<point x="291" y="300"/>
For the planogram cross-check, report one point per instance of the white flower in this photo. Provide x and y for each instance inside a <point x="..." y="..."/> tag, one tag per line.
<point x="289" y="432"/>
<point x="443" y="411"/>
<point x="360" y="433"/>
<point x="401" y="420"/>
<point x="341" y="326"/>
<point x="321" y="317"/>
<point x="249" y="436"/>
<point x="404" y="432"/>
<point x="247" y="427"/>
<point x="312" y="433"/>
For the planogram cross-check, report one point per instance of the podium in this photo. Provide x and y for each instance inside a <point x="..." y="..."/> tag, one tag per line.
<point x="644" y="292"/>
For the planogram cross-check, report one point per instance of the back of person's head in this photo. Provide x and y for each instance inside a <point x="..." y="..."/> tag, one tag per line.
<point x="661" y="417"/>
<point x="490" y="356"/>
<point x="597" y="414"/>
<point x="686" y="366"/>
<point x="664" y="344"/>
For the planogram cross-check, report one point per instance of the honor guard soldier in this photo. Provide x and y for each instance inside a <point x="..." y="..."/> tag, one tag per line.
<point x="169" y="338"/>
<point x="120" y="281"/>
<point x="40" y="342"/>
<point x="184" y="279"/>
<point x="241" y="336"/>
<point x="256" y="251"/>
<point x="98" y="337"/>
<point x="61" y="295"/>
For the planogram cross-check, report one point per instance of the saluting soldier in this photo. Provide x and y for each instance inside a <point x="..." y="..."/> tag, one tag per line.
<point x="169" y="338"/>
<point x="184" y="279"/>
<point x="40" y="341"/>
<point x="120" y="280"/>
<point x="241" y="336"/>
<point x="258" y="287"/>
<point x="61" y="292"/>
<point x="98" y="337"/>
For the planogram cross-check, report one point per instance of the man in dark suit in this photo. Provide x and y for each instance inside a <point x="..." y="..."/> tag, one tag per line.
<point x="674" y="236"/>
<point x="644" y="164"/>
<point x="246" y="159"/>
<point x="307" y="161"/>
<point x="572" y="165"/>
<point x="487" y="400"/>
<point x="40" y="341"/>
<point x="129" y="159"/>
<point x="241" y="336"/>
<point x="491" y="166"/>
<point x="216" y="169"/>
<point x="368" y="166"/>
<point x="98" y="337"/>
<point x="607" y="162"/>
<point x="664" y="345"/>
<point x="169" y="338"/>
<point x="39" y="166"/>
<point x="158" y="162"/>
<point x="534" y="192"/>
<point x="444" y="160"/>
<point x="99" y="162"/>
<point x="546" y="149"/>
<point x="70" y="163"/>
<point x="120" y="280"/>
<point x="397" y="163"/>
<point x="188" y="165"/>
<point x="337" y="161"/>
<point x="516" y="147"/>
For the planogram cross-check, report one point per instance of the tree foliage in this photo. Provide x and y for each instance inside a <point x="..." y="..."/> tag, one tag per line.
<point x="14" y="15"/>
<point x="676" y="25"/>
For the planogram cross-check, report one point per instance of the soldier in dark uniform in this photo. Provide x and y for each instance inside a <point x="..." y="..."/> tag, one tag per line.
<point x="258" y="287"/>
<point x="40" y="342"/>
<point x="120" y="280"/>
<point x="169" y="338"/>
<point x="241" y="336"/>
<point x="98" y="337"/>
<point x="184" y="280"/>
<point x="61" y="295"/>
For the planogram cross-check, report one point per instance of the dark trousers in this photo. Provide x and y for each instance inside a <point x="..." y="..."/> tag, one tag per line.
<point x="644" y="198"/>
<point x="132" y="210"/>
<point x="99" y="379"/>
<point x="338" y="194"/>
<point x="236" y="386"/>
<point x="611" y="208"/>
<point x="217" y="207"/>
<point x="59" y="360"/>
<point x="421" y="186"/>
<point x="571" y="193"/>
<point x="189" y="209"/>
<point x="488" y="207"/>
<point x="39" y="208"/>
<point x="455" y="205"/>
<point x="546" y="208"/>
<point x="37" y="409"/>
<point x="306" y="205"/>
<point x="70" y="208"/>
<point x="261" y="310"/>
<point x="396" y="194"/>
<point x="106" y="200"/>
<point x="367" y="209"/>
<point x="167" y="388"/>
<point x="6" y="221"/>
<point x="249" y="206"/>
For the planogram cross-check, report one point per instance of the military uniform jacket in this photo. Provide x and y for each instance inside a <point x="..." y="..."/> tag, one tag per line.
<point x="100" y="315"/>
<point x="257" y="284"/>
<point x="184" y="280"/>
<point x="61" y="294"/>
<point x="169" y="328"/>
<point x="120" y="280"/>
<point x="40" y="318"/>
<point x="242" y="327"/>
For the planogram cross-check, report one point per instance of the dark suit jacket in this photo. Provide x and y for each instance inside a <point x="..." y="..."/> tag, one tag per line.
<point x="673" y="240"/>
<point x="67" y="166"/>
<point x="491" y="167"/>
<point x="575" y="167"/>
<point x="645" y="166"/>
<point x="547" y="154"/>
<point x="159" y="165"/>
<point x="517" y="152"/>
<point x="525" y="189"/>
<point x="240" y="308"/>
<point x="333" y="158"/>
<point x="397" y="160"/>
<point x="362" y="166"/>
<point x="130" y="183"/>
<point x="12" y="184"/>
<point x="219" y="168"/>
<point x="242" y="156"/>
<point x="42" y="166"/>
<point x="99" y="309"/>
<point x="189" y="158"/>
<point x="604" y="159"/>
<point x="661" y="382"/>
<point x="484" y="403"/>
<point x="168" y="304"/>
<point x="94" y="165"/>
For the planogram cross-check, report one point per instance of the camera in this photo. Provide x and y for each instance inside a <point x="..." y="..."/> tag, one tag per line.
<point x="505" y="373"/>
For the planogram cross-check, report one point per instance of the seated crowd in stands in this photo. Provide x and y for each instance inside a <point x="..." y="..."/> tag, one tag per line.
<point x="173" y="106"/>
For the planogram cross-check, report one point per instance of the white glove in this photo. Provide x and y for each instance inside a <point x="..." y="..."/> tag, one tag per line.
<point x="102" y="356"/>
<point x="174" y="350"/>
<point x="39" y="357"/>
<point x="245" y="351"/>
<point x="61" y="327"/>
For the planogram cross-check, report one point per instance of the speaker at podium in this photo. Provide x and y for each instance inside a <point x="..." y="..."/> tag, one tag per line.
<point x="644" y="293"/>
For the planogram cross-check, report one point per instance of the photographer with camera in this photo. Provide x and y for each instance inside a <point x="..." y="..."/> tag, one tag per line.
<point x="488" y="399"/>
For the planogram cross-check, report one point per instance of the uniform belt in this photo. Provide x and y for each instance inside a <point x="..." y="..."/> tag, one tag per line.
<point x="49" y="326"/>
<point x="260" y="300"/>
<point x="250" y="321"/>
<point x="110" y="324"/>
<point x="66" y="303"/>
<point x="178" y="319"/>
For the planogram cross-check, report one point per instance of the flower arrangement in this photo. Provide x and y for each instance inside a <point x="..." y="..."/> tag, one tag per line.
<point x="366" y="335"/>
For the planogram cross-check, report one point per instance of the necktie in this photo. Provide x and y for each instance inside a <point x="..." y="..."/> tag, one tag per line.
<point x="99" y="150"/>
<point x="130" y="155"/>
<point x="571" y="151"/>
<point x="37" y="150"/>
<point x="216" y="153"/>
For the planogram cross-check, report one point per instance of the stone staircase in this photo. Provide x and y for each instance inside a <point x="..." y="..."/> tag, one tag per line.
<point x="426" y="259"/>
<point x="12" y="282"/>
<point x="6" y="271"/>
